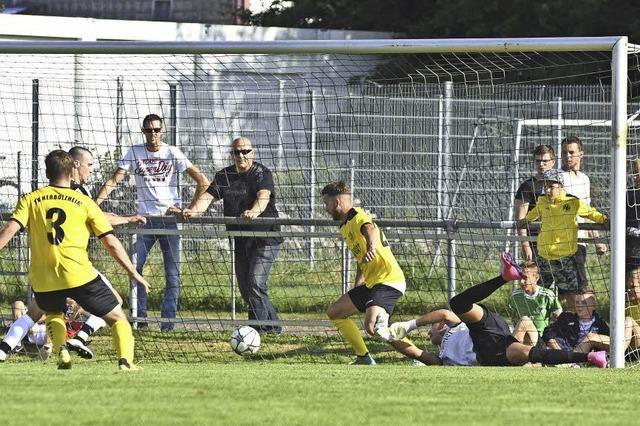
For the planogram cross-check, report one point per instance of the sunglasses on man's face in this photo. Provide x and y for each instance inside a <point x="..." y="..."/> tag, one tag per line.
<point x="237" y="152"/>
<point x="150" y="130"/>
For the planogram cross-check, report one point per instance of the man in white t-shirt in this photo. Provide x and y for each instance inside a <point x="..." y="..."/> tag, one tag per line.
<point x="156" y="167"/>
<point x="577" y="183"/>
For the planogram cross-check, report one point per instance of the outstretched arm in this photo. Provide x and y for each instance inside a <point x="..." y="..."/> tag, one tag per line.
<point x="262" y="200"/>
<point x="110" y="185"/>
<point x="202" y="183"/>
<point x="116" y="220"/>
<point x="115" y="249"/>
<point x="7" y="232"/>
<point x="198" y="206"/>
<point x="401" y="329"/>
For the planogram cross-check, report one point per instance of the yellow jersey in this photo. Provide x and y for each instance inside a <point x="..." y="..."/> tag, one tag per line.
<point x="59" y="221"/>
<point x="384" y="268"/>
<point x="558" y="235"/>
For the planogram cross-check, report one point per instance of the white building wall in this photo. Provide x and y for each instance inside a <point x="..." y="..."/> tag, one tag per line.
<point x="219" y="96"/>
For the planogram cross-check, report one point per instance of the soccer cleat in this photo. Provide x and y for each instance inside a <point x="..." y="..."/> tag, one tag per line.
<point x="64" y="359"/>
<point x="124" y="365"/>
<point x="417" y="363"/>
<point x="363" y="360"/>
<point x="3" y="356"/>
<point x="80" y="348"/>
<point x="509" y="269"/>
<point x="381" y="327"/>
<point x="599" y="359"/>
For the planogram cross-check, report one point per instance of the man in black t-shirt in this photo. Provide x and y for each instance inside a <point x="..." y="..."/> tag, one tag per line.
<point x="247" y="190"/>
<point x="544" y="159"/>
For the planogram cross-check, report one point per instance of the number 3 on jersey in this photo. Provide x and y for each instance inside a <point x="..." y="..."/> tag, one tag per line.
<point x="56" y="235"/>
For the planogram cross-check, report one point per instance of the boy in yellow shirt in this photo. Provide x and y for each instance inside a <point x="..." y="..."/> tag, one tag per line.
<point x="558" y="238"/>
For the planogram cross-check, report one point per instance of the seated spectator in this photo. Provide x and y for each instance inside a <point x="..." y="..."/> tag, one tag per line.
<point x="632" y="255"/>
<point x="585" y="330"/>
<point x="533" y="306"/>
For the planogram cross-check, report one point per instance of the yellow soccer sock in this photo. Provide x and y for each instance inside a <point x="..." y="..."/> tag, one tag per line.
<point x="57" y="330"/>
<point x="351" y="334"/>
<point x="123" y="339"/>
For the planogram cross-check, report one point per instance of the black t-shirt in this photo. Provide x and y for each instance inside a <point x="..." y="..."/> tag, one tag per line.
<point x="633" y="220"/>
<point x="528" y="192"/>
<point x="238" y="192"/>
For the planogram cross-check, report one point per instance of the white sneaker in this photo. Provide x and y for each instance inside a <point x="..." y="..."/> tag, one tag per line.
<point x="3" y="356"/>
<point x="381" y="327"/>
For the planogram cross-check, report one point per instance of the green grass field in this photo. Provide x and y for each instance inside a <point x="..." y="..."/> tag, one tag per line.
<point x="248" y="392"/>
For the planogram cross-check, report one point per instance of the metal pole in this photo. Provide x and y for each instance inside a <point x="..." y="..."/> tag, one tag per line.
<point x="618" y="200"/>
<point x="515" y="159"/>
<point x="281" y="124"/>
<point x="446" y="166"/>
<point x="119" y="116"/>
<point x="346" y="253"/>
<point x="133" y="286"/>
<point x="232" y="246"/>
<point x="346" y="258"/>
<point x="35" y="126"/>
<point x="312" y="170"/>
<point x="440" y="145"/>
<point x="558" y="104"/>
<point x="21" y="235"/>
<point x="451" y="268"/>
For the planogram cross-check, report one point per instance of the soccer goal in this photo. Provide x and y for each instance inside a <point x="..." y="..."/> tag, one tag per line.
<point x="432" y="135"/>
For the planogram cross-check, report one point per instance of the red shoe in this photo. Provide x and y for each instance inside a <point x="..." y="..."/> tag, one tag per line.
<point x="599" y="359"/>
<point x="509" y="269"/>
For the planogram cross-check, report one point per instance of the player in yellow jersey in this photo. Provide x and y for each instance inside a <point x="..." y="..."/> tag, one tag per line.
<point x="59" y="220"/>
<point x="379" y="280"/>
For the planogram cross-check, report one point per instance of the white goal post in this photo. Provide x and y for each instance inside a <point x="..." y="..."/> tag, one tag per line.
<point x="618" y="47"/>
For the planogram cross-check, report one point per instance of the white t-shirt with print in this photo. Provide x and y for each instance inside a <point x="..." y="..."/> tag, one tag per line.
<point x="156" y="175"/>
<point x="579" y="186"/>
<point x="457" y="347"/>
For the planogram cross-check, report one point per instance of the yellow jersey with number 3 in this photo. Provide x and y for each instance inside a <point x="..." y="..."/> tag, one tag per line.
<point x="60" y="221"/>
<point x="384" y="268"/>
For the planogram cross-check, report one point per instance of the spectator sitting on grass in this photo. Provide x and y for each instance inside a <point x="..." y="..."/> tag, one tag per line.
<point x="585" y="330"/>
<point x="533" y="306"/>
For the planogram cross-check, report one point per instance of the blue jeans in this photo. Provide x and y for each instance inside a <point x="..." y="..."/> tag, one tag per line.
<point x="253" y="262"/>
<point x="170" y="246"/>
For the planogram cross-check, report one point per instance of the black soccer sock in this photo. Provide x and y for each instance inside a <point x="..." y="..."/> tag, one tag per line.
<point x="554" y="356"/>
<point x="4" y="347"/>
<point x="464" y="301"/>
<point x="87" y="329"/>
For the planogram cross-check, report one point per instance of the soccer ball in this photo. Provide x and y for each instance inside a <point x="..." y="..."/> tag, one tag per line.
<point x="245" y="340"/>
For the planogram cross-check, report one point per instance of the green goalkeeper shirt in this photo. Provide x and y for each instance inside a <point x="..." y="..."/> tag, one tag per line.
<point x="538" y="306"/>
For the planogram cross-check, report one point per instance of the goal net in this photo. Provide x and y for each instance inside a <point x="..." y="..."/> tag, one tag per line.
<point x="434" y="141"/>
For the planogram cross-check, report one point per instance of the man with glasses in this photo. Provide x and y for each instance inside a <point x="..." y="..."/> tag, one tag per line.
<point x="544" y="159"/>
<point x="247" y="190"/>
<point x="156" y="167"/>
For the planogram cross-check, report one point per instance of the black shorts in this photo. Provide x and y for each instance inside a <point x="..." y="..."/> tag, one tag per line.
<point x="95" y="297"/>
<point x="379" y="295"/>
<point x="491" y="337"/>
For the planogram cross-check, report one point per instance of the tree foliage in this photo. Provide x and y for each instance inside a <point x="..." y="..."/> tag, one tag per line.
<point x="461" y="18"/>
